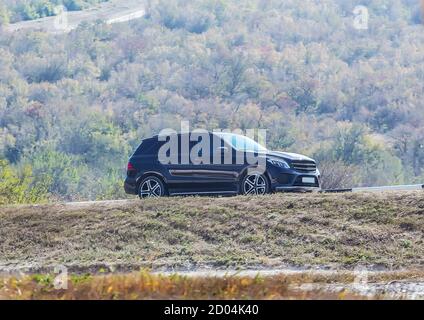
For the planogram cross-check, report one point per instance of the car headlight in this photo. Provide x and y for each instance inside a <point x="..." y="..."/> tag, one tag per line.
<point x="279" y="163"/>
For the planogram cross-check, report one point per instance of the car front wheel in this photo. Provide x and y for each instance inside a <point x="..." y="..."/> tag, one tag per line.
<point x="151" y="187"/>
<point x="254" y="184"/>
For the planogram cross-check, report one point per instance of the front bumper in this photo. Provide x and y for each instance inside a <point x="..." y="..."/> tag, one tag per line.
<point x="292" y="180"/>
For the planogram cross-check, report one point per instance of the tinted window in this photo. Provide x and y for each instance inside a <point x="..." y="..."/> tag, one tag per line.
<point x="242" y="143"/>
<point x="147" y="146"/>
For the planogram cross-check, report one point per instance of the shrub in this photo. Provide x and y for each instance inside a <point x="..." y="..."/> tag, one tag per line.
<point x="19" y="188"/>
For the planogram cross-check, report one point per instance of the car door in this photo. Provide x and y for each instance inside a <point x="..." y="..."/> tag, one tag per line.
<point x="226" y="164"/>
<point x="199" y="174"/>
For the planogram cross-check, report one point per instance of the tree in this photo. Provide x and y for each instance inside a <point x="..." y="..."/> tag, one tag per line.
<point x="409" y="146"/>
<point x="349" y="143"/>
<point x="4" y="15"/>
<point x="19" y="188"/>
<point x="351" y="99"/>
<point x="338" y="175"/>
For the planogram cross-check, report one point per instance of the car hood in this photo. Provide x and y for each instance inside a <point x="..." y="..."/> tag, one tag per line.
<point x="288" y="156"/>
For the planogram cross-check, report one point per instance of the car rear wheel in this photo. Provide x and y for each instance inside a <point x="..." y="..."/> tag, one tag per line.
<point x="254" y="184"/>
<point x="151" y="187"/>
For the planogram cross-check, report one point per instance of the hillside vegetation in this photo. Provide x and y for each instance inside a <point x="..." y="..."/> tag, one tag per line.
<point x="21" y="10"/>
<point x="74" y="106"/>
<point x="378" y="230"/>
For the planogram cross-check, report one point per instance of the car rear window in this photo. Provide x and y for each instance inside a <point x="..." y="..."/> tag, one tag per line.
<point x="149" y="146"/>
<point x="145" y="147"/>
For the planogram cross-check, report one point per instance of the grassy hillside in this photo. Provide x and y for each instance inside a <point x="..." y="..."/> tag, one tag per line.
<point x="74" y="106"/>
<point x="336" y="230"/>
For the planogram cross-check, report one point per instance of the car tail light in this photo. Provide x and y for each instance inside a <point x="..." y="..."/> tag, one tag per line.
<point x="130" y="167"/>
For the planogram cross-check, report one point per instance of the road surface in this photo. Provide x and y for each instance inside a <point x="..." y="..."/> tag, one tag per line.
<point x="113" y="11"/>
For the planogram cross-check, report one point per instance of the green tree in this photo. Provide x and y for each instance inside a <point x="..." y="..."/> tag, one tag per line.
<point x="28" y="12"/>
<point x="58" y="171"/>
<point x="4" y="15"/>
<point x="18" y="188"/>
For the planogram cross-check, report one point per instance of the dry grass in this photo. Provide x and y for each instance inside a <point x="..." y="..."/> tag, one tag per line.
<point x="336" y="230"/>
<point x="144" y="285"/>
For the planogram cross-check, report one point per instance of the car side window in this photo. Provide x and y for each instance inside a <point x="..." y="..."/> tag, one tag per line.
<point x="191" y="145"/>
<point x="221" y="151"/>
<point x="198" y="152"/>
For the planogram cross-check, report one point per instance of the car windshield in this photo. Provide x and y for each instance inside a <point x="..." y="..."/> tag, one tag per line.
<point x="242" y="143"/>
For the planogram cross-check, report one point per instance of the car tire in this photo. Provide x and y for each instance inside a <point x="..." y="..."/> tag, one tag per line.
<point x="151" y="187"/>
<point x="254" y="183"/>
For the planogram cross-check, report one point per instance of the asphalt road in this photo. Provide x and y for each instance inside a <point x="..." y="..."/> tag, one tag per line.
<point x="113" y="11"/>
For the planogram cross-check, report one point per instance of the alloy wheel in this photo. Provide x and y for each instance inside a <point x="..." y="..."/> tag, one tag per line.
<point x="254" y="184"/>
<point x="151" y="188"/>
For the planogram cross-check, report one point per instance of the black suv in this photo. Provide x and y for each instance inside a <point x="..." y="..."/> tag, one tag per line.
<point x="227" y="164"/>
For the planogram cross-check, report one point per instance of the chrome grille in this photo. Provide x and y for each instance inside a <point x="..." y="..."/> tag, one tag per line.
<point x="304" y="166"/>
